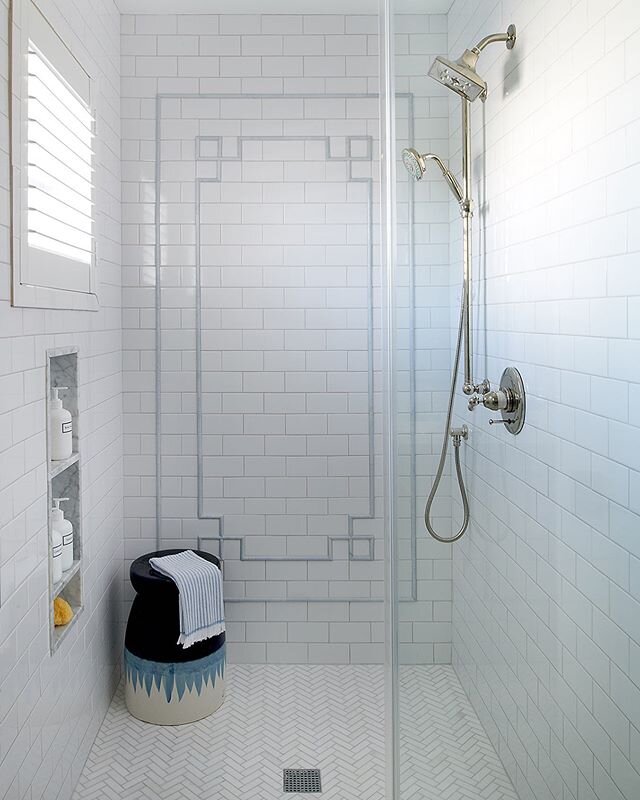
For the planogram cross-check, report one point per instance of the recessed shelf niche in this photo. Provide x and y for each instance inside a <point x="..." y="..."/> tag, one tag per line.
<point x="64" y="480"/>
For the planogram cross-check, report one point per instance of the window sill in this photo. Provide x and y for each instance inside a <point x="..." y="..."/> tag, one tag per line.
<point x="29" y="296"/>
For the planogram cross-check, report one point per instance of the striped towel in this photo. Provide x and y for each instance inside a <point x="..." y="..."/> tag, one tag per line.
<point x="199" y="585"/>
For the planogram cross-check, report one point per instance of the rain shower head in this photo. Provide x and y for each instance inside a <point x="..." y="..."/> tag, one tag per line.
<point x="416" y="166"/>
<point x="461" y="75"/>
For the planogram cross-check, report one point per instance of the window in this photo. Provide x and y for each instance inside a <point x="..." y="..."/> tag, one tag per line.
<point x="53" y="239"/>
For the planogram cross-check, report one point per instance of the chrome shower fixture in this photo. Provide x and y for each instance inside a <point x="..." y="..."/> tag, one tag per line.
<point x="416" y="166"/>
<point x="461" y="75"/>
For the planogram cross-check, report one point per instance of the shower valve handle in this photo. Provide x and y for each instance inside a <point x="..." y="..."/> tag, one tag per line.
<point x="494" y="400"/>
<point x="474" y="401"/>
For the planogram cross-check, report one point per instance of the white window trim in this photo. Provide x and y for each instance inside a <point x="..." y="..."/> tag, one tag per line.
<point x="27" y="294"/>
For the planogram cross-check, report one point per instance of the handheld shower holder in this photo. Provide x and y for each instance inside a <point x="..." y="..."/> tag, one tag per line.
<point x="458" y="434"/>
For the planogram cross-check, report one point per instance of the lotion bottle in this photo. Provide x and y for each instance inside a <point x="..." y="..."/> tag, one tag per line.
<point x="65" y="529"/>
<point x="61" y="427"/>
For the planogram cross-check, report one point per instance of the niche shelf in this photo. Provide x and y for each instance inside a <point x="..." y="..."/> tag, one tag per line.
<point x="56" y="467"/>
<point x="64" y="480"/>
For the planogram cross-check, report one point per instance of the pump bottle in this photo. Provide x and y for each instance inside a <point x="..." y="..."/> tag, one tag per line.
<point x="61" y="427"/>
<point x="65" y="530"/>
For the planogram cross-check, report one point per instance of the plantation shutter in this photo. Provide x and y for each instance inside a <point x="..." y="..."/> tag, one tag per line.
<point x="60" y="178"/>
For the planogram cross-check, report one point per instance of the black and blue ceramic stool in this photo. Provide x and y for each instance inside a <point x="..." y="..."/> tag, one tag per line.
<point x="166" y="684"/>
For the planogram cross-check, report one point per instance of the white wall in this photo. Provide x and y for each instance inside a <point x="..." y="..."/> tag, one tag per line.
<point x="546" y="583"/>
<point x="285" y="408"/>
<point x="284" y="330"/>
<point x="51" y="706"/>
<point x="286" y="452"/>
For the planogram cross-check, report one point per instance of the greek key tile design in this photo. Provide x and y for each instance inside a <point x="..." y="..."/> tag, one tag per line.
<point x="300" y="716"/>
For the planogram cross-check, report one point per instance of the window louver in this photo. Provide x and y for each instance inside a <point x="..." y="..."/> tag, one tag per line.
<point x="59" y="166"/>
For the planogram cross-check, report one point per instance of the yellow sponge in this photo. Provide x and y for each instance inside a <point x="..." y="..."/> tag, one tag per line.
<point x="62" y="613"/>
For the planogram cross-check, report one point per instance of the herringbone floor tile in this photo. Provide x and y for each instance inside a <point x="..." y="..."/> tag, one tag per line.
<point x="445" y="753"/>
<point x="331" y="717"/>
<point x="273" y="717"/>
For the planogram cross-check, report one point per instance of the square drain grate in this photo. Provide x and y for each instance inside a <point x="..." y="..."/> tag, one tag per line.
<point x="301" y="780"/>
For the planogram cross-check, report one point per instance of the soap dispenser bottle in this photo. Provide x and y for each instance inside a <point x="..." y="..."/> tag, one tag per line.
<point x="56" y="555"/>
<point x="61" y="427"/>
<point x="65" y="529"/>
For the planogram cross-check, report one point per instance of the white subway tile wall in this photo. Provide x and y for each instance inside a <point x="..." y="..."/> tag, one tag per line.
<point x="270" y="415"/>
<point x="546" y="632"/>
<point x="52" y="705"/>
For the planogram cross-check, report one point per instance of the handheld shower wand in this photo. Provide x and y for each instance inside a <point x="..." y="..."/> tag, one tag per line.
<point x="416" y="166"/>
<point x="461" y="77"/>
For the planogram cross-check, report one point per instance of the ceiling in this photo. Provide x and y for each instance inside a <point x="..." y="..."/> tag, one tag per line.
<point x="278" y="6"/>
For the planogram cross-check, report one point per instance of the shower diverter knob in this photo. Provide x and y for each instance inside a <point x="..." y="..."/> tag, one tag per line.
<point x="513" y="393"/>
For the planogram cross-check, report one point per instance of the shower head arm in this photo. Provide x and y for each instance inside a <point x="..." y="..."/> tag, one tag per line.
<point x="509" y="38"/>
<point x="449" y="177"/>
<point x="469" y="58"/>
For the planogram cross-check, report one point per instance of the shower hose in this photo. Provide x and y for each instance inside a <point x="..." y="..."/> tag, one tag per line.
<point x="456" y="451"/>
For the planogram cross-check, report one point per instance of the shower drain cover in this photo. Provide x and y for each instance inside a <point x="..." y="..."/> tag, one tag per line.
<point x="301" y="780"/>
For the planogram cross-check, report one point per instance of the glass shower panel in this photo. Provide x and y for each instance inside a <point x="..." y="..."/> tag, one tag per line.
<point x="420" y="296"/>
<point x="424" y="343"/>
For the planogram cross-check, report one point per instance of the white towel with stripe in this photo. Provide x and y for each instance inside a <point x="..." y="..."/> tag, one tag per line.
<point x="199" y="585"/>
